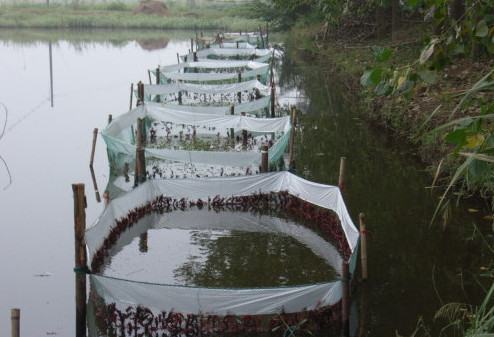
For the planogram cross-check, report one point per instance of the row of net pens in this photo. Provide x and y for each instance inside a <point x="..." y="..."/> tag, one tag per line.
<point x="81" y="264"/>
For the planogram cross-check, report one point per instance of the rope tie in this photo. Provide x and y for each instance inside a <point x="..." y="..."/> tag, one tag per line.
<point x="368" y="232"/>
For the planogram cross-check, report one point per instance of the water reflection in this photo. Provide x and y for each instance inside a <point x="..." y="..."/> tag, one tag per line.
<point x="224" y="250"/>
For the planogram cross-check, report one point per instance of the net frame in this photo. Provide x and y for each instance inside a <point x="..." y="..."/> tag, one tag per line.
<point x="119" y="136"/>
<point x="201" y="300"/>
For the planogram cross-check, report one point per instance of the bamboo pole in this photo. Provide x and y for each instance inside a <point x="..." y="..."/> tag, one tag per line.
<point x="141" y="165"/>
<point x="95" y="185"/>
<point x="80" y="257"/>
<point x="264" y="159"/>
<point x="158" y="75"/>
<point x="239" y="94"/>
<point x="273" y="93"/>
<point x="131" y="95"/>
<point x="345" y="299"/>
<point x="15" y="322"/>
<point x="93" y="148"/>
<point x="291" y="161"/>
<point x="363" y="245"/>
<point x="140" y="93"/>
<point x="232" y="130"/>
<point x="341" y="178"/>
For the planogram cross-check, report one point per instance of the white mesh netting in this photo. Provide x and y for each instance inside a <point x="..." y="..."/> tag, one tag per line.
<point x="225" y="301"/>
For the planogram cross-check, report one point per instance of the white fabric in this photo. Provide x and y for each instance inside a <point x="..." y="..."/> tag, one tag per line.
<point x="209" y="77"/>
<point x="249" y="107"/>
<point x="219" y="301"/>
<point x="172" y="88"/>
<point x="228" y="52"/>
<point x="191" y="300"/>
<point x="207" y="64"/>
<point x="118" y="137"/>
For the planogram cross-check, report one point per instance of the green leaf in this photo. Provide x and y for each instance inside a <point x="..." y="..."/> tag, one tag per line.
<point x="458" y="137"/>
<point x="371" y="76"/>
<point x="428" y="76"/>
<point x="383" y="88"/>
<point x="381" y="54"/>
<point x="481" y="30"/>
<point x="459" y="49"/>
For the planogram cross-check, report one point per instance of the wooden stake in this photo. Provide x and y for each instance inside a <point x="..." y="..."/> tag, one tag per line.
<point x="178" y="58"/>
<point x="291" y="162"/>
<point x="158" y="75"/>
<point x="363" y="245"/>
<point x="15" y="322"/>
<point x="341" y="178"/>
<point x="140" y="93"/>
<point x="273" y="93"/>
<point x="93" y="148"/>
<point x="149" y="76"/>
<point x="80" y="257"/>
<point x="110" y="118"/>
<point x="131" y="95"/>
<point x="192" y="45"/>
<point x="345" y="299"/>
<point x="141" y="165"/>
<point x="264" y="159"/>
<point x="232" y="112"/>
<point x="239" y="94"/>
<point x="95" y="185"/>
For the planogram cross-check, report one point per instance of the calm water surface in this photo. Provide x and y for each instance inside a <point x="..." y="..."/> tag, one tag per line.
<point x="413" y="267"/>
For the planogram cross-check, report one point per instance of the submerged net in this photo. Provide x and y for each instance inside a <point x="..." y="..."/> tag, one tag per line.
<point x="275" y="192"/>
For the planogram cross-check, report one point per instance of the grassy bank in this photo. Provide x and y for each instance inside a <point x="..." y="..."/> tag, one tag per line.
<point x="411" y="117"/>
<point x="120" y="16"/>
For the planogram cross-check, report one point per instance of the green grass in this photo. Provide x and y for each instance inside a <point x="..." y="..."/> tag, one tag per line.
<point x="118" y="15"/>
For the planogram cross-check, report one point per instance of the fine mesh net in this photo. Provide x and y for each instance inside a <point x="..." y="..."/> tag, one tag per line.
<point x="223" y="53"/>
<point x="223" y="301"/>
<point x="206" y="94"/>
<point x="200" y="140"/>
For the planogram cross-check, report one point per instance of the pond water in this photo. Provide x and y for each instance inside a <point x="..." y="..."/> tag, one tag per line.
<point x="46" y="146"/>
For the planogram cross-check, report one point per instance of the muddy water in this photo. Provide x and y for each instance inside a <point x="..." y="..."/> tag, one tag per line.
<point x="44" y="149"/>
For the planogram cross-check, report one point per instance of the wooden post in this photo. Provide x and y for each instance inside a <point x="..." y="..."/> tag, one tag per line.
<point x="93" y="148"/>
<point x="158" y="75"/>
<point x="192" y="45"/>
<point x="264" y="159"/>
<point x="95" y="184"/>
<point x="15" y="322"/>
<point x="341" y="178"/>
<point x="110" y="118"/>
<point x="267" y="36"/>
<point x="345" y="299"/>
<point x="363" y="245"/>
<point x="140" y="93"/>
<point x="131" y="95"/>
<point x="140" y="134"/>
<point x="273" y="93"/>
<point x="262" y="38"/>
<point x="291" y="162"/>
<point x="140" y="165"/>
<point x="80" y="258"/>
<point x="195" y="57"/>
<point x="239" y="94"/>
<point x="232" y="112"/>
<point x="178" y="58"/>
<point x="149" y="76"/>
